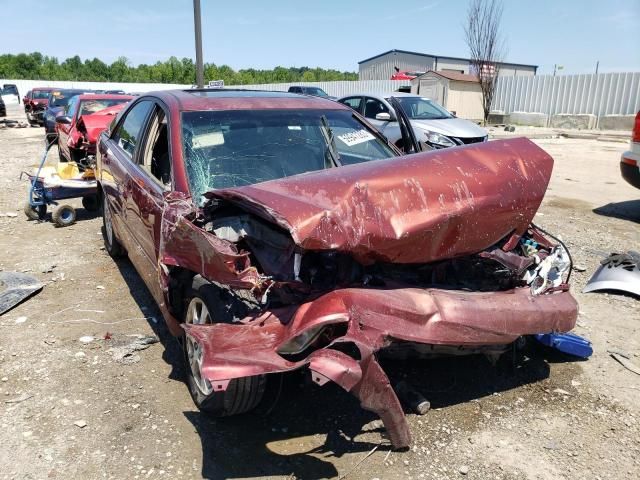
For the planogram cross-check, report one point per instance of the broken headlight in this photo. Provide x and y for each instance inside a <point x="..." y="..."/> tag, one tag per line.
<point x="548" y="273"/>
<point x="300" y="342"/>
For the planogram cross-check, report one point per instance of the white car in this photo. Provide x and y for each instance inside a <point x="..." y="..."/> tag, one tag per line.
<point x="630" y="161"/>
<point x="433" y="125"/>
<point x="10" y="95"/>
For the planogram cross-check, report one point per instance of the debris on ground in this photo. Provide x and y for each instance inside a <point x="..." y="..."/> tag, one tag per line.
<point x="16" y="287"/>
<point x="412" y="398"/>
<point x="21" y="398"/>
<point x="80" y="423"/>
<point x="619" y="271"/>
<point x="569" y="343"/>
<point x="126" y="353"/>
<point x="623" y="359"/>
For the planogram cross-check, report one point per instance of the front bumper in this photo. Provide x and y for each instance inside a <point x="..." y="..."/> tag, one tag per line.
<point x="374" y="319"/>
<point x="630" y="168"/>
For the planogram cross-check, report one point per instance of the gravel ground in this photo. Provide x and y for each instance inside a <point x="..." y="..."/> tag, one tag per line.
<point x="71" y="410"/>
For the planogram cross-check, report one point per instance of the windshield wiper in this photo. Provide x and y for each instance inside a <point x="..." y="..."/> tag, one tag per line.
<point x="330" y="142"/>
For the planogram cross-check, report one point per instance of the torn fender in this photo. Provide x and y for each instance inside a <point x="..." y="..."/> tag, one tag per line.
<point x="186" y="245"/>
<point x="414" y="209"/>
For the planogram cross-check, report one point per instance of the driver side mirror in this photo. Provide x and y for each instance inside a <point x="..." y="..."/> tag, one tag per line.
<point x="383" y="116"/>
<point x="63" y="119"/>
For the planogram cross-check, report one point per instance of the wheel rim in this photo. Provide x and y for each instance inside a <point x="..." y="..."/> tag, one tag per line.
<point x="66" y="215"/>
<point x="197" y="314"/>
<point x="107" y="223"/>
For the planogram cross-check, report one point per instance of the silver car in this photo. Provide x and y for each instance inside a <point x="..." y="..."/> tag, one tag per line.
<point x="433" y="125"/>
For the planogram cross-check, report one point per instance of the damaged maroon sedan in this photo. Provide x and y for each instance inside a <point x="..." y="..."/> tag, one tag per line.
<point x="280" y="232"/>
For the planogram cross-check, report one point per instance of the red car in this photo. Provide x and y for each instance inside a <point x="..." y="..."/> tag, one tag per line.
<point x="406" y="75"/>
<point x="35" y="103"/>
<point x="279" y="232"/>
<point x="85" y="116"/>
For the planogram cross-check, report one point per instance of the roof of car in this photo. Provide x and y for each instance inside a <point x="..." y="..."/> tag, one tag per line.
<point x="382" y="95"/>
<point x="103" y="96"/>
<point x="236" y="99"/>
<point x="42" y="89"/>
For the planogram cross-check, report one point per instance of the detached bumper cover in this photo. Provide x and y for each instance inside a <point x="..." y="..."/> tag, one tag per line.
<point x="374" y="318"/>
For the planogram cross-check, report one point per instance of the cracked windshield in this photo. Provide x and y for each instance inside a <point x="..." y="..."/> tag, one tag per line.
<point x="232" y="149"/>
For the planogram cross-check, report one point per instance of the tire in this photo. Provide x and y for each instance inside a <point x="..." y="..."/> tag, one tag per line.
<point x="35" y="213"/>
<point x="91" y="203"/>
<point x="111" y="243"/>
<point x="64" y="215"/>
<point x="242" y="394"/>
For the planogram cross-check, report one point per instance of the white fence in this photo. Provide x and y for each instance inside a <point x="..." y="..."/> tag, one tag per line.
<point x="601" y="94"/>
<point x="25" y="85"/>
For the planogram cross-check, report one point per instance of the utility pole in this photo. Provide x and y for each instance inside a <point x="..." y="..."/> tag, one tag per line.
<point x="597" y="65"/>
<point x="197" y="25"/>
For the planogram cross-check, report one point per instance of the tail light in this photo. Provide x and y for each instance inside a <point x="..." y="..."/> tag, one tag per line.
<point x="635" y="135"/>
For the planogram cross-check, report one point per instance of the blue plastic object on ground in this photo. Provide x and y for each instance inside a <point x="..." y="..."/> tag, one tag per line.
<point x="567" y="343"/>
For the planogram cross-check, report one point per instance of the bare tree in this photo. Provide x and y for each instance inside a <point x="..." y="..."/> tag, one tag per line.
<point x="486" y="46"/>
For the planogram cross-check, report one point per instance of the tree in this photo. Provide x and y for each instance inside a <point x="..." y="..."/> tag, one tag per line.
<point x="37" y="66"/>
<point x="486" y="46"/>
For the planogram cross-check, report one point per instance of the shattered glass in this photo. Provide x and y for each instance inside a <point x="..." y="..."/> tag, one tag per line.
<point x="237" y="148"/>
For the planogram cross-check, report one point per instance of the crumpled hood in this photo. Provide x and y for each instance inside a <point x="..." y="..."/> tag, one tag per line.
<point x="94" y="125"/>
<point x="413" y="209"/>
<point x="451" y="127"/>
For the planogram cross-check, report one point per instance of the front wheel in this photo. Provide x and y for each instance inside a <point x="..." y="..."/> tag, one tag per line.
<point x="242" y="394"/>
<point x="35" y="213"/>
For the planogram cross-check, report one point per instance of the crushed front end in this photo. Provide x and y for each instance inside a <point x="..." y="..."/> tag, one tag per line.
<point x="432" y="253"/>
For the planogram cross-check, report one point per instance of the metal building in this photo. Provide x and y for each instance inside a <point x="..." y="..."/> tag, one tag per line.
<point x="383" y="65"/>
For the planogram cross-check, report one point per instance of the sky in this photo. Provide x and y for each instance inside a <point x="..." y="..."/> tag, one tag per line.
<point x="325" y="33"/>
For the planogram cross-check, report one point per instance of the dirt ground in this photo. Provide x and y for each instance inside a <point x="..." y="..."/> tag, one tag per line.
<point x="70" y="410"/>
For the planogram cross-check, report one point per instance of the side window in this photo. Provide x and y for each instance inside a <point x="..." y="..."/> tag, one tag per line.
<point x="156" y="159"/>
<point x="127" y="134"/>
<point x="70" y="109"/>
<point x="296" y="90"/>
<point x="353" y="102"/>
<point x="372" y="107"/>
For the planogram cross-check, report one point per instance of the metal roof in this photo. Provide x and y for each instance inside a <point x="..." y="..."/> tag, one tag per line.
<point x="438" y="56"/>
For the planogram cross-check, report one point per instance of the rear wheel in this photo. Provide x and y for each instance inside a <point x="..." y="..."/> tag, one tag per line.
<point x="242" y="394"/>
<point x="64" y="215"/>
<point x="111" y="243"/>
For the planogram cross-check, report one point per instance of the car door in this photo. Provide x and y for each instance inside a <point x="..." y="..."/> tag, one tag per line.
<point x="389" y="128"/>
<point x="119" y="162"/>
<point x="150" y="177"/>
